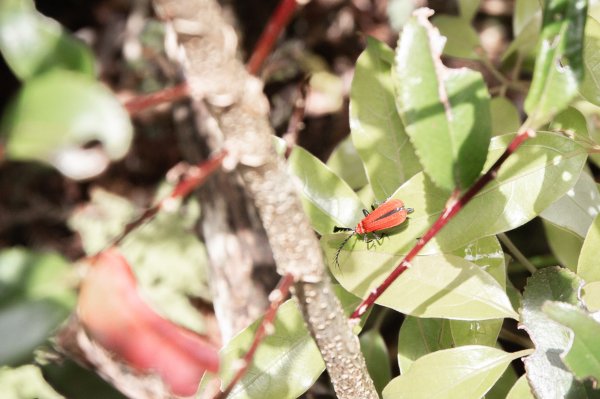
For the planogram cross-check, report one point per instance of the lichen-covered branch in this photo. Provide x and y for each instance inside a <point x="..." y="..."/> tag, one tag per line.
<point x="219" y="81"/>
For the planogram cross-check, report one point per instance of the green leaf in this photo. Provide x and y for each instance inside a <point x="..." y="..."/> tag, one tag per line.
<point x="285" y="365"/>
<point x="419" y="337"/>
<point x="25" y="382"/>
<point x="375" y="124"/>
<point x="442" y="285"/>
<point x="583" y="354"/>
<point x="526" y="12"/>
<point x="503" y="385"/>
<point x="565" y="244"/>
<point x="464" y="372"/>
<point x="588" y="267"/>
<point x="463" y="40"/>
<point x="346" y="163"/>
<point x="505" y="116"/>
<point x="559" y="64"/>
<point x="540" y="172"/>
<point x="164" y="240"/>
<point x="468" y="8"/>
<point x="590" y="86"/>
<point x="55" y="114"/>
<point x="570" y="121"/>
<point x="520" y="390"/>
<point x="591" y="296"/>
<point x="32" y="44"/>
<point x="448" y="107"/>
<point x="547" y="377"/>
<point x="327" y="200"/>
<point x="576" y="210"/>
<point x="36" y="295"/>
<point x="375" y="352"/>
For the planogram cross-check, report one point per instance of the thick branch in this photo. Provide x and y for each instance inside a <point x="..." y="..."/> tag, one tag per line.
<point x="236" y="101"/>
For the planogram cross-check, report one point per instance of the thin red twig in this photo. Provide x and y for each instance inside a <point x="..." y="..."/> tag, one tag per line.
<point x="192" y="179"/>
<point x="279" y="20"/>
<point x="265" y="328"/>
<point x="169" y="94"/>
<point x="451" y="209"/>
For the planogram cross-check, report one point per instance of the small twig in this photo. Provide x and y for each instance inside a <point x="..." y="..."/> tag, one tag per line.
<point x="278" y="21"/>
<point x="265" y="328"/>
<point x="295" y="124"/>
<point x="512" y="248"/>
<point x="505" y="82"/>
<point x="192" y="179"/>
<point x="169" y="94"/>
<point x="447" y="214"/>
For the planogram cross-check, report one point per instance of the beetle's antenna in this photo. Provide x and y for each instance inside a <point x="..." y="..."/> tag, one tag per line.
<point x="337" y="254"/>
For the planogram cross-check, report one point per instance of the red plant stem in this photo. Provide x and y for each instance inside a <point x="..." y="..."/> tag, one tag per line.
<point x="278" y="295"/>
<point x="170" y="94"/>
<point x="448" y="213"/>
<point x="193" y="178"/>
<point x="279" y="20"/>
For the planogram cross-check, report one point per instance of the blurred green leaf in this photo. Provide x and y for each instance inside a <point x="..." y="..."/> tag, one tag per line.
<point x="520" y="390"/>
<point x="582" y="356"/>
<point x="591" y="296"/>
<point x="36" y="296"/>
<point x="505" y="116"/>
<point x="327" y="200"/>
<point x="375" y="352"/>
<point x="462" y="38"/>
<point x="375" y="124"/>
<point x="55" y="114"/>
<point x="547" y="376"/>
<point x="588" y="267"/>
<point x="346" y="163"/>
<point x="503" y="385"/>
<point x="590" y="86"/>
<point x="168" y="259"/>
<point x="464" y="372"/>
<point x="540" y="172"/>
<point x="25" y="382"/>
<point x="32" y="44"/>
<point x="448" y="107"/>
<point x="559" y="65"/>
<point x="468" y="8"/>
<point x="570" y="121"/>
<point x="527" y="23"/>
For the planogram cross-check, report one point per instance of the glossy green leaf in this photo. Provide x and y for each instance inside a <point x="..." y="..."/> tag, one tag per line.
<point x="576" y="210"/>
<point x="547" y="376"/>
<point x="375" y="352"/>
<point x="463" y="40"/>
<point x="164" y="240"/>
<point x="464" y="372"/>
<point x="419" y="337"/>
<point x="540" y="172"/>
<point x="36" y="296"/>
<point x="505" y="116"/>
<point x="25" y="382"/>
<point x="588" y="267"/>
<point x="582" y="356"/>
<point x="346" y="163"/>
<point x="559" y="64"/>
<point x="32" y="43"/>
<point x="440" y="285"/>
<point x="565" y="244"/>
<point x="590" y="86"/>
<point x="285" y="365"/>
<point x="377" y="131"/>
<point x="520" y="390"/>
<point x="448" y="107"/>
<point x="327" y="200"/>
<point x="55" y="114"/>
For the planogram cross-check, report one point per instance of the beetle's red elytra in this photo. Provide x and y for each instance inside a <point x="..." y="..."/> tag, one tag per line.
<point x="387" y="215"/>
